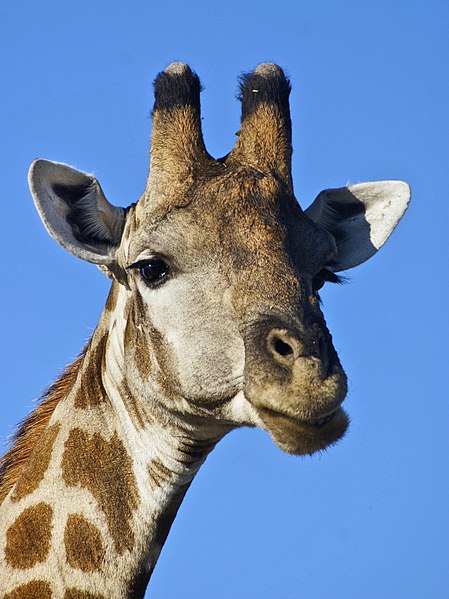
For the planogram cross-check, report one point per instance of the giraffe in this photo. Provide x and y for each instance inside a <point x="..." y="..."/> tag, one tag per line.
<point x="213" y="322"/>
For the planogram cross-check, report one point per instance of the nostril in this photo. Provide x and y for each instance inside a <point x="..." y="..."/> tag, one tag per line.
<point x="282" y="346"/>
<point x="283" y="349"/>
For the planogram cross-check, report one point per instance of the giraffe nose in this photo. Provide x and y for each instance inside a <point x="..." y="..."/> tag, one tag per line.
<point x="285" y="347"/>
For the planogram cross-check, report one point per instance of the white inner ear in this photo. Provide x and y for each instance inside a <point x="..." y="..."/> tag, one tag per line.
<point x="385" y="204"/>
<point x="99" y="225"/>
<point x="361" y="217"/>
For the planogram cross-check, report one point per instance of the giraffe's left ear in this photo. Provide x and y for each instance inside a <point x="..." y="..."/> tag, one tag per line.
<point x="361" y="218"/>
<point x="75" y="211"/>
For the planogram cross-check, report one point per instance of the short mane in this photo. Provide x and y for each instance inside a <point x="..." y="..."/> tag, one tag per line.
<point x="30" y="429"/>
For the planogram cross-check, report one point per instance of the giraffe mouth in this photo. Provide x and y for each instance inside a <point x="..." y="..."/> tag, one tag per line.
<point x="309" y="423"/>
<point x="325" y="419"/>
<point x="304" y="437"/>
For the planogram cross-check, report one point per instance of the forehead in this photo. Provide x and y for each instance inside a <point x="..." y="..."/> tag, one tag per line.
<point x="237" y="212"/>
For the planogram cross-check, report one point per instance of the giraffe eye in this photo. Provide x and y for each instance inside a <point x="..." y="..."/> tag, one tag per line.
<point x="153" y="271"/>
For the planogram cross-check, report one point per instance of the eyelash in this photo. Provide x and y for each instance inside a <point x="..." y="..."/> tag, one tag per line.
<point x="330" y="276"/>
<point x="323" y="276"/>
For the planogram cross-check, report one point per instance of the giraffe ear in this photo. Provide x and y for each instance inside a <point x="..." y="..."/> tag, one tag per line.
<point x="75" y="211"/>
<point x="360" y="217"/>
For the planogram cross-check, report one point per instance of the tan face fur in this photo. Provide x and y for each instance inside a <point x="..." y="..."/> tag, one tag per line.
<point x="240" y="281"/>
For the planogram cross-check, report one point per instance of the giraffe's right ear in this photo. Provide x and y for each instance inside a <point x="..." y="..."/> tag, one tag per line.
<point x="75" y="211"/>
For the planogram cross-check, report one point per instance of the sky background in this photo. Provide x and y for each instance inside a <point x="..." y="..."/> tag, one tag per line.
<point x="368" y="518"/>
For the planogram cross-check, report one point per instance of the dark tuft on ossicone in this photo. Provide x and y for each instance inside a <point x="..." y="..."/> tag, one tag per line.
<point x="267" y="84"/>
<point x="175" y="87"/>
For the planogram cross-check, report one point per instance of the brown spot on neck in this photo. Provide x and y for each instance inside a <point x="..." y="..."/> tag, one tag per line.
<point x="83" y="544"/>
<point x="111" y="302"/>
<point x="31" y="590"/>
<point x="28" y="539"/>
<point x="138" y="354"/>
<point x="137" y="346"/>
<point x="137" y="410"/>
<point x="78" y="594"/>
<point x="36" y="467"/>
<point x="91" y="391"/>
<point x="105" y="469"/>
<point x="29" y="432"/>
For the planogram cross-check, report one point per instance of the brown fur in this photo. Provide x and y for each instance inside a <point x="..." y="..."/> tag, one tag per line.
<point x="136" y="344"/>
<point x="83" y="544"/>
<point x="136" y="348"/>
<point x="36" y="589"/>
<point x="105" y="469"/>
<point x="111" y="302"/>
<point x="29" y="432"/>
<point x="158" y="474"/>
<point x="190" y="451"/>
<point x="167" y="139"/>
<point x="77" y="594"/>
<point x="91" y="392"/>
<point x="135" y="409"/>
<point x="28" y="539"/>
<point x="36" y="467"/>
<point x="264" y="143"/>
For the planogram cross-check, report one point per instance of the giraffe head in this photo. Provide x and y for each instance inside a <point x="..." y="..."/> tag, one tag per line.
<point x="218" y="268"/>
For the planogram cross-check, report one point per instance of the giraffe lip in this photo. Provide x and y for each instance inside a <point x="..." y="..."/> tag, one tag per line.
<point x="310" y="424"/>
<point x="325" y="419"/>
<point x="301" y="436"/>
<point x="318" y="422"/>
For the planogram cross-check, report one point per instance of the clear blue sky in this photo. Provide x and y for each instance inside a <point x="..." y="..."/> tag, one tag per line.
<point x="370" y="100"/>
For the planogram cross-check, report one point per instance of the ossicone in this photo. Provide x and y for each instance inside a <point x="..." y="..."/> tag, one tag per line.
<point x="265" y="138"/>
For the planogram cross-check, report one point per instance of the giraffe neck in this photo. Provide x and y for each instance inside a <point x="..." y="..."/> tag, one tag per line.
<point x="95" y="500"/>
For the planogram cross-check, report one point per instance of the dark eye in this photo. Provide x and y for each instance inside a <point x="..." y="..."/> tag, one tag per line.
<point x="152" y="270"/>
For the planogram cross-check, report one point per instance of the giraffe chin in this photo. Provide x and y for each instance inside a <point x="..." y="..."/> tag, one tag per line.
<point x="301" y="437"/>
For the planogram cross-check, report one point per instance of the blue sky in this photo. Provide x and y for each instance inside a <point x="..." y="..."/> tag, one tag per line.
<point x="370" y="99"/>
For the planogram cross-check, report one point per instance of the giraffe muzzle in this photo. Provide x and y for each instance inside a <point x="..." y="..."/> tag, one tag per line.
<point x="294" y="379"/>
